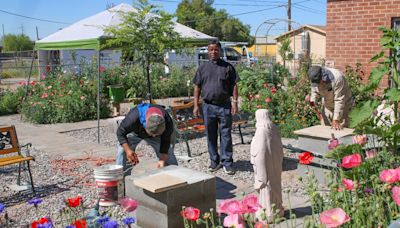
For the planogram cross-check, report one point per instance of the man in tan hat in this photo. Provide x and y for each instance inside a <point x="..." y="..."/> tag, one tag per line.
<point x="150" y="123"/>
<point x="332" y="87"/>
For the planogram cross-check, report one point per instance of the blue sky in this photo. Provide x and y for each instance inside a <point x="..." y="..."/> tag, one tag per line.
<point x="251" y="12"/>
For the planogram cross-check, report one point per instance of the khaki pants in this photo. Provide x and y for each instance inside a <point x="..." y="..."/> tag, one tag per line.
<point x="327" y="117"/>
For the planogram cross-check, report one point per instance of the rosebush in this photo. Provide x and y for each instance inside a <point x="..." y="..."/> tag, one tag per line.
<point x="261" y="87"/>
<point x="62" y="98"/>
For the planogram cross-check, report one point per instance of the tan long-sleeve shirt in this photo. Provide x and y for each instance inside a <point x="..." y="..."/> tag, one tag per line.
<point x="336" y="95"/>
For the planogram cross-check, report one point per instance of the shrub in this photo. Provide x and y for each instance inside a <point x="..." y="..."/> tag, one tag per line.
<point x="63" y="99"/>
<point x="9" y="102"/>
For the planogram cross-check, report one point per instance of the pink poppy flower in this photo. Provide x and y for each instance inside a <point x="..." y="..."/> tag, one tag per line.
<point x="45" y="95"/>
<point x="268" y="100"/>
<point x="22" y="83"/>
<point x="42" y="76"/>
<point x="348" y="184"/>
<point x="257" y="96"/>
<point x="396" y="195"/>
<point x="273" y="90"/>
<point x="82" y="97"/>
<point x="389" y="175"/>
<point x="102" y="69"/>
<point x="191" y="213"/>
<point x="128" y="204"/>
<point x="251" y="202"/>
<point x="334" y="217"/>
<point x="258" y="106"/>
<point x="333" y="143"/>
<point x="360" y="139"/>
<point x="369" y="154"/>
<point x="351" y="161"/>
<point x="307" y="98"/>
<point x="265" y="85"/>
<point x="234" y="220"/>
<point x="230" y="207"/>
<point x="33" y="83"/>
<point x="251" y="97"/>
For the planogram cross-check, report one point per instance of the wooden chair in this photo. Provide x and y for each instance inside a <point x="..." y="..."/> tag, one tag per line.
<point x="10" y="150"/>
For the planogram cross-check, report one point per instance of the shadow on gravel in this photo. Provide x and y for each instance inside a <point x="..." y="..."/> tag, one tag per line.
<point x="26" y="195"/>
<point x="289" y="164"/>
<point x="224" y="189"/>
<point x="299" y="212"/>
<point x="243" y="165"/>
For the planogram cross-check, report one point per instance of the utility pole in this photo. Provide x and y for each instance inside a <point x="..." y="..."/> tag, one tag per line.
<point x="37" y="33"/>
<point x="289" y="15"/>
<point x="22" y="29"/>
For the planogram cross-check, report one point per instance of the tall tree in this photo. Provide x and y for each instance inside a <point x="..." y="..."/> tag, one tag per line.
<point x="148" y="32"/>
<point x="200" y="15"/>
<point x="19" y="42"/>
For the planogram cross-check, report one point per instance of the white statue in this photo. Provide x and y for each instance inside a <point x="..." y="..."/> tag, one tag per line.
<point x="267" y="157"/>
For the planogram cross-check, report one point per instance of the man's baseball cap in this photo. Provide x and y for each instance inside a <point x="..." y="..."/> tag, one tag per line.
<point x="155" y="122"/>
<point x="315" y="75"/>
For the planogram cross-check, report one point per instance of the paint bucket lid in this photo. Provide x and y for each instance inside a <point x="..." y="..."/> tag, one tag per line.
<point x="109" y="169"/>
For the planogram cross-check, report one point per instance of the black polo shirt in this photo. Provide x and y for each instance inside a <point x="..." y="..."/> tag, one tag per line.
<point x="216" y="80"/>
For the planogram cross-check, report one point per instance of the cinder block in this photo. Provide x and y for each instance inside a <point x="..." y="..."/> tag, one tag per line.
<point x="166" y="206"/>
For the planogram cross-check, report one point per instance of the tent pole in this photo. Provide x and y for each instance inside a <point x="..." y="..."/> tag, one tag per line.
<point x="98" y="97"/>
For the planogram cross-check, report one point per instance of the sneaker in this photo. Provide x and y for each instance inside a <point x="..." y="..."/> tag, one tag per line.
<point x="214" y="167"/>
<point x="229" y="170"/>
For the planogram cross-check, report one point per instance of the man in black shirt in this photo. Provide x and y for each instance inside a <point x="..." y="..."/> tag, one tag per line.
<point x="150" y="123"/>
<point x="216" y="81"/>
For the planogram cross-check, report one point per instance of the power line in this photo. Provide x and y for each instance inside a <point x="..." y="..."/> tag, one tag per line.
<point x="310" y="10"/>
<point x="33" y="18"/>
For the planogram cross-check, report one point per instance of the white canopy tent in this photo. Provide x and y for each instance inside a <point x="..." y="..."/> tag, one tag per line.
<point x="88" y="33"/>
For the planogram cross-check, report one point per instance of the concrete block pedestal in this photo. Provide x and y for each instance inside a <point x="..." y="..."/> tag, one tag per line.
<point x="159" y="210"/>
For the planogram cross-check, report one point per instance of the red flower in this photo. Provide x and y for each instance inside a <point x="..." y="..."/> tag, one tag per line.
<point x="191" y="213"/>
<point x="40" y="221"/>
<point x="351" y="161"/>
<point x="63" y="84"/>
<point x="74" y="202"/>
<point x="273" y="90"/>
<point x="265" y="85"/>
<point x="102" y="69"/>
<point x="33" y="83"/>
<point x="305" y="158"/>
<point x="48" y="68"/>
<point x="268" y="100"/>
<point x="80" y="223"/>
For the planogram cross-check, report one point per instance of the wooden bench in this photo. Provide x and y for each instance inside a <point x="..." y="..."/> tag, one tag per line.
<point x="10" y="151"/>
<point x="187" y="125"/>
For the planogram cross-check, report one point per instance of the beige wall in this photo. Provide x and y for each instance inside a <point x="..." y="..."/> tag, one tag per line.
<point x="317" y="45"/>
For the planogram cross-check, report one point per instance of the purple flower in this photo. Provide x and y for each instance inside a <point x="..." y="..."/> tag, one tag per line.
<point x="35" y="201"/>
<point x="110" y="224"/>
<point x="368" y="191"/>
<point x="128" y="220"/>
<point x="103" y="220"/>
<point x="44" y="225"/>
<point x="70" y="226"/>
<point x="2" y="207"/>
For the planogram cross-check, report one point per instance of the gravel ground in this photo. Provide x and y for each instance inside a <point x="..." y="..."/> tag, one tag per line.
<point x="57" y="179"/>
<point x="200" y="160"/>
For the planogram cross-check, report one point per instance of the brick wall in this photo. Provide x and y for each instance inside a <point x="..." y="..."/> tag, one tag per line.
<point x="352" y="34"/>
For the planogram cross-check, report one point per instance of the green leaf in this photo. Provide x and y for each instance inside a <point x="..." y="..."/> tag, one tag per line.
<point x="362" y="112"/>
<point x="393" y="94"/>
<point x="343" y="150"/>
<point x="378" y="56"/>
<point x="375" y="77"/>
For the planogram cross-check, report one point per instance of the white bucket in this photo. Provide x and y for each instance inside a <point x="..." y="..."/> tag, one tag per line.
<point x="110" y="184"/>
